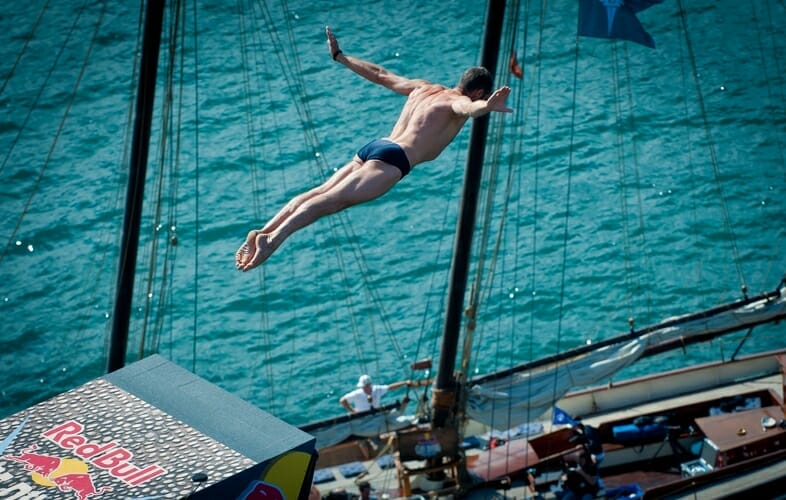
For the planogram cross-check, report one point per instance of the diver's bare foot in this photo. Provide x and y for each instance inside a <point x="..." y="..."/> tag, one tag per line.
<point x="246" y="250"/>
<point x="259" y="250"/>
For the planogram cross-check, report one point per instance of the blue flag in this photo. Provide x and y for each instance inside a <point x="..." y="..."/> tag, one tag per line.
<point x="561" y="417"/>
<point x="614" y="19"/>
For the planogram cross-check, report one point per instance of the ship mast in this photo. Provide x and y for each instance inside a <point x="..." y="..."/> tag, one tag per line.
<point x="135" y="192"/>
<point x="444" y="391"/>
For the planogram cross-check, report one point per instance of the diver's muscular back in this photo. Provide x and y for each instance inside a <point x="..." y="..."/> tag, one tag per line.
<point x="427" y="122"/>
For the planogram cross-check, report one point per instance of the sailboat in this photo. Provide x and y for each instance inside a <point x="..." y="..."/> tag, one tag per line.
<point x="489" y="364"/>
<point x="512" y="398"/>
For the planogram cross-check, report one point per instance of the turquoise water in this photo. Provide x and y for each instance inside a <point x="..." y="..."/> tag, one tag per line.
<point x="644" y="199"/>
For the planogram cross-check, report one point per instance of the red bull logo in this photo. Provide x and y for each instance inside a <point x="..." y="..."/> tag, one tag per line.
<point x="110" y="457"/>
<point x="69" y="474"/>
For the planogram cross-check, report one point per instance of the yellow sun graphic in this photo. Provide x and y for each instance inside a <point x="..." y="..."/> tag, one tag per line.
<point x="67" y="466"/>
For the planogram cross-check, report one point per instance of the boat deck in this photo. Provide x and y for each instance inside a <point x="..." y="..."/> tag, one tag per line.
<point x="495" y="461"/>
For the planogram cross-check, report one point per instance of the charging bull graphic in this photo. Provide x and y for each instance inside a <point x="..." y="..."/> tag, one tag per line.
<point x="37" y="463"/>
<point x="68" y="475"/>
<point x="81" y="484"/>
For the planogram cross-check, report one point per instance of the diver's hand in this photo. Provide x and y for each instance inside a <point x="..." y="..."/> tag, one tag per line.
<point x="497" y="101"/>
<point x="335" y="51"/>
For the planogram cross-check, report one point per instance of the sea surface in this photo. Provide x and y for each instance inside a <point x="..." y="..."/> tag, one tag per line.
<point x="629" y="185"/>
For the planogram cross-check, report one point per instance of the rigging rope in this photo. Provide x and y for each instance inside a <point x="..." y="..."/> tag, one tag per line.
<point x="566" y="232"/>
<point x="258" y="183"/>
<point x="291" y="72"/>
<point x="440" y="255"/>
<point x="294" y="80"/>
<point x="125" y="160"/>
<point x="197" y="186"/>
<point x="99" y="263"/>
<point x="170" y="233"/>
<point x="61" y="126"/>
<point x="22" y="51"/>
<point x="485" y="269"/>
<point x="486" y="275"/>
<point x="688" y="133"/>
<point x="711" y="147"/>
<point x="536" y="84"/>
<point x="777" y="103"/>
<point x="643" y="248"/>
<point x="164" y="176"/>
<point x="623" y="199"/>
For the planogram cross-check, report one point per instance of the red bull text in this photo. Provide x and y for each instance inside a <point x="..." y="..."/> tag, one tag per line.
<point x="110" y="457"/>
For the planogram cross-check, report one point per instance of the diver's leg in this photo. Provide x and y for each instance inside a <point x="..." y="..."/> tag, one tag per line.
<point x="369" y="181"/>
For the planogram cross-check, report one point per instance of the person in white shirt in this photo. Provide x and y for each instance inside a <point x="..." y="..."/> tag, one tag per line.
<point x="368" y="395"/>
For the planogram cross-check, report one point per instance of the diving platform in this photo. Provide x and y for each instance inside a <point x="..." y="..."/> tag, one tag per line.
<point x="152" y="430"/>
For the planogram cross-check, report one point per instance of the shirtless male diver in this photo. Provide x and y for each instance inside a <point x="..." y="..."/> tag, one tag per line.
<point x="432" y="116"/>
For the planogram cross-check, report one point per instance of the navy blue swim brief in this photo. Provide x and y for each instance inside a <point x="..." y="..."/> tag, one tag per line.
<point x="387" y="151"/>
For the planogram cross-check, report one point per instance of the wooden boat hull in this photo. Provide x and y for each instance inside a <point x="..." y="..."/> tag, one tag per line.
<point x="704" y="419"/>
